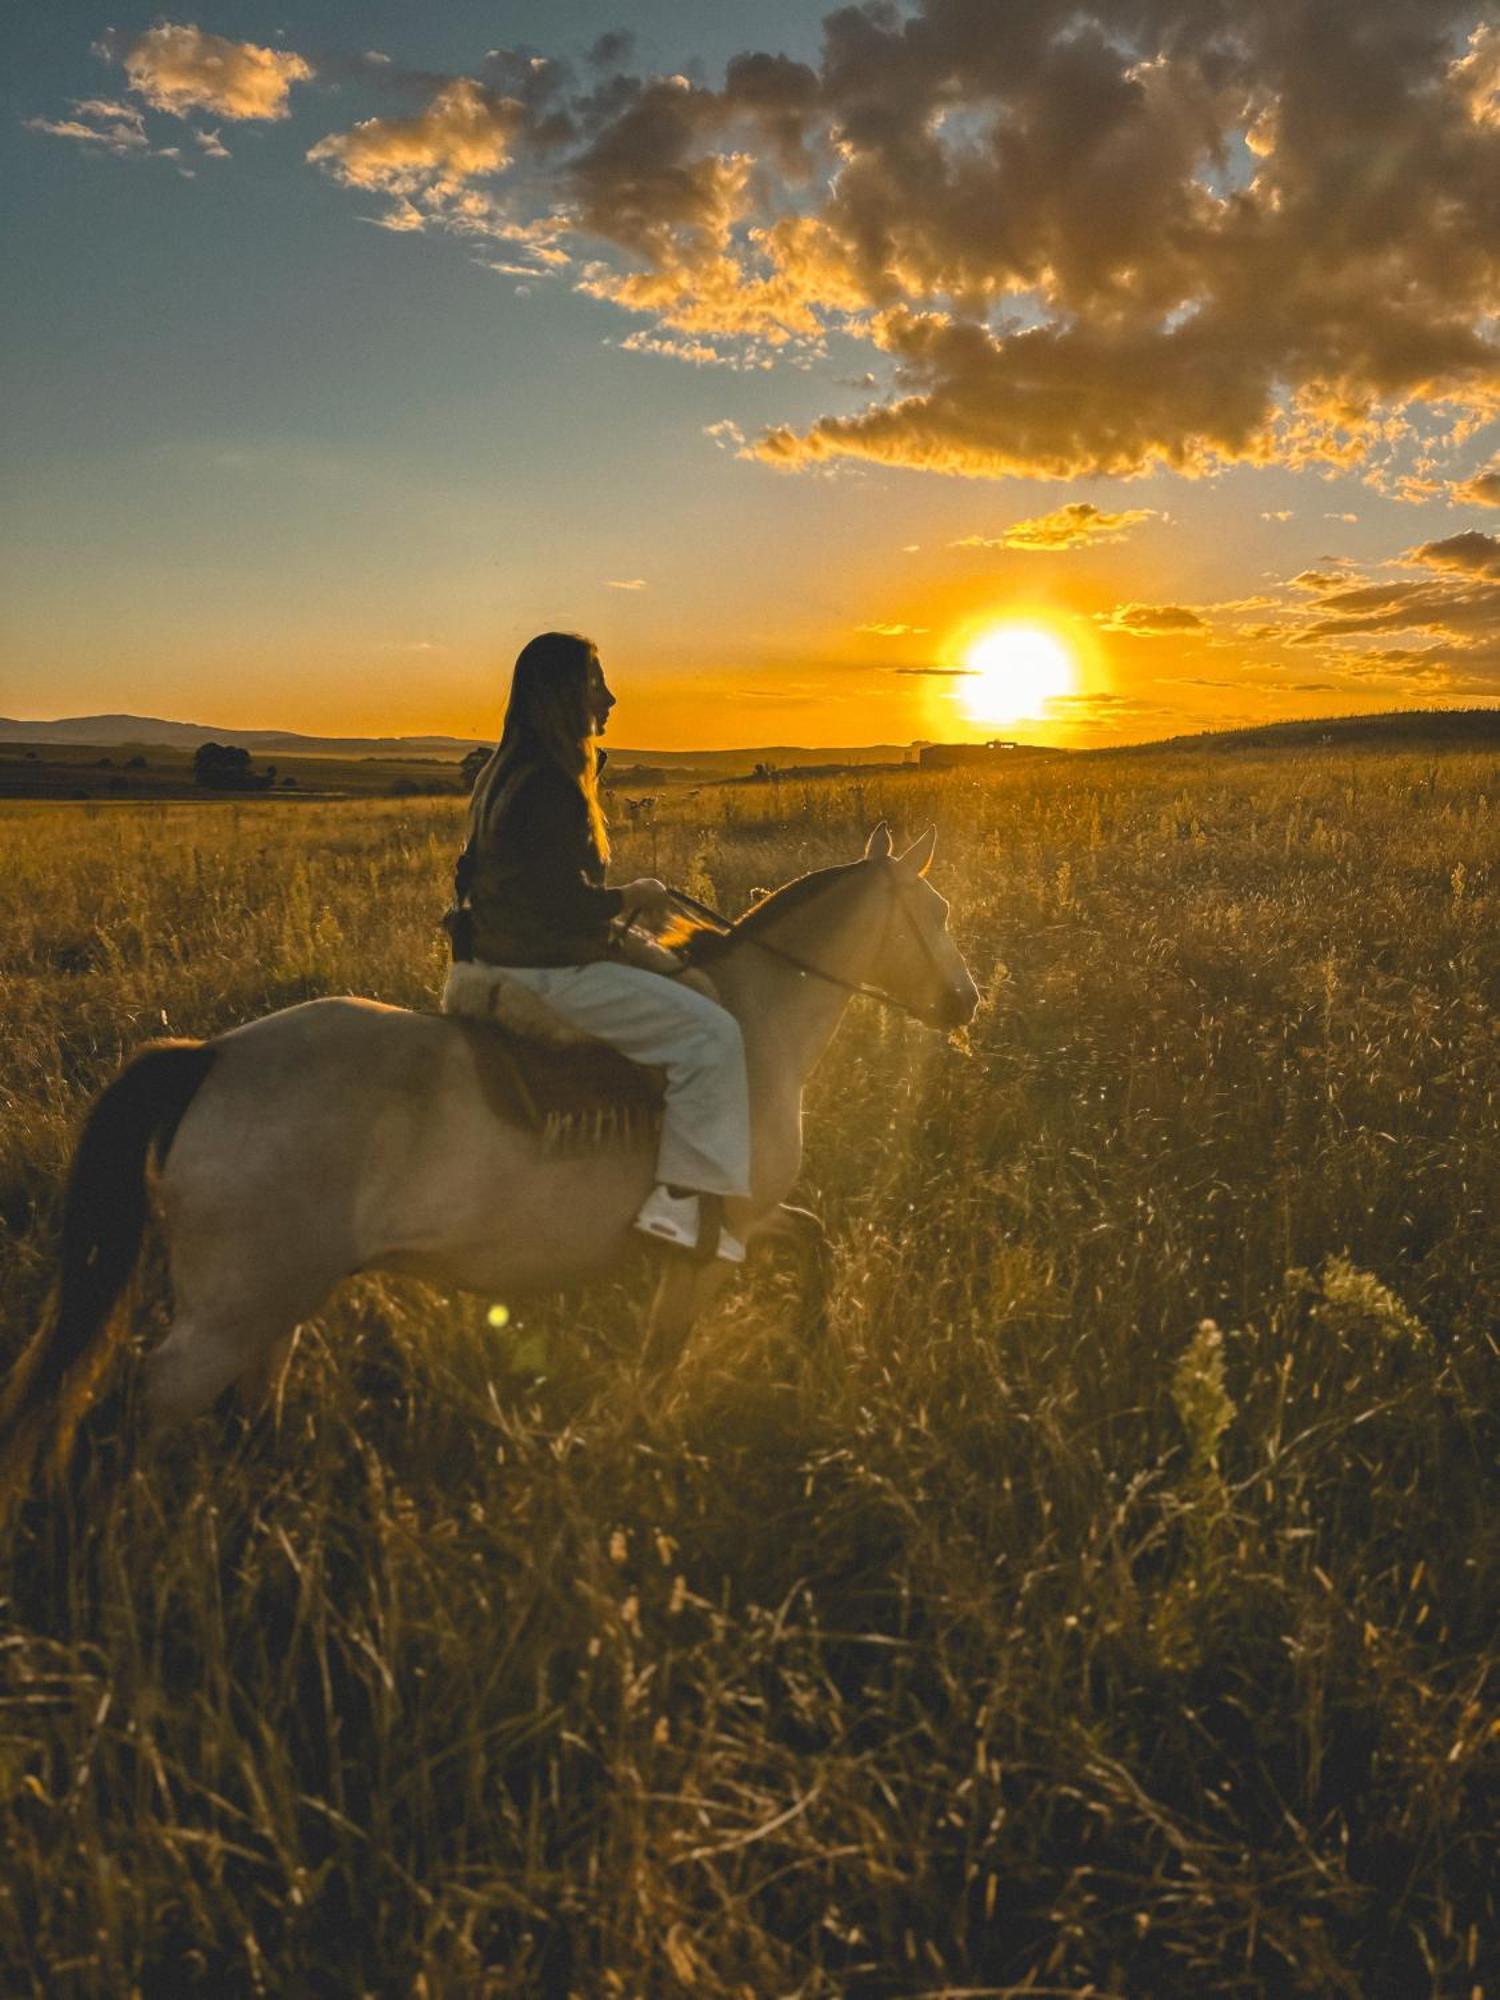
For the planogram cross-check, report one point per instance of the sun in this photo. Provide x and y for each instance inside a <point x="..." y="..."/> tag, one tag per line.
<point x="1013" y="671"/>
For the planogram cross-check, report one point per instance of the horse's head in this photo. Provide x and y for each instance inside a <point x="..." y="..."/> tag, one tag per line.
<point x="918" y="964"/>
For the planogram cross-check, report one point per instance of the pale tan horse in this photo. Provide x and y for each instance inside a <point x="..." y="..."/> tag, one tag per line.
<point x="342" y="1136"/>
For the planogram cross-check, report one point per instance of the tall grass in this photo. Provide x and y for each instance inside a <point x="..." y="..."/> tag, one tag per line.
<point x="1105" y="1603"/>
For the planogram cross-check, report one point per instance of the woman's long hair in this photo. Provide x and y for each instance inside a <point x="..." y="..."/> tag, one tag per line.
<point x="547" y="721"/>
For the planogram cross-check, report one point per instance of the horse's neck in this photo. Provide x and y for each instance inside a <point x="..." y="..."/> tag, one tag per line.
<point x="788" y="1016"/>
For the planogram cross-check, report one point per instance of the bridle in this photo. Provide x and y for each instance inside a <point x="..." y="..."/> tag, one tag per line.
<point x="897" y="906"/>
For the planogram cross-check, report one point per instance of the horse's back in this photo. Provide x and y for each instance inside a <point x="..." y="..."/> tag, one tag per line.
<point x="393" y="1138"/>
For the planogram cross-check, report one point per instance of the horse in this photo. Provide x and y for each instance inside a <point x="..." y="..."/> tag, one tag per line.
<point x="343" y="1135"/>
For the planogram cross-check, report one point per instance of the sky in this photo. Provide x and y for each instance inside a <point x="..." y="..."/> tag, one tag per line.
<point x="1076" y="373"/>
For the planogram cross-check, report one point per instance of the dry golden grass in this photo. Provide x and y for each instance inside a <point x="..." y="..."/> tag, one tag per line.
<point x="1023" y="1633"/>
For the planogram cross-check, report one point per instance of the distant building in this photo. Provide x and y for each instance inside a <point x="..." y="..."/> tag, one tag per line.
<point x="954" y="756"/>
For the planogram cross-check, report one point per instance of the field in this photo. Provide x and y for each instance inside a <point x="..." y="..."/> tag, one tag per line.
<point x="1105" y="1602"/>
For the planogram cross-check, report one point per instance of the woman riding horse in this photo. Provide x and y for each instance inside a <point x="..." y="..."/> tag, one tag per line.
<point x="532" y="899"/>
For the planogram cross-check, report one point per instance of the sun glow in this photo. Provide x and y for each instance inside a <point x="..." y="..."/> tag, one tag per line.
<point x="1013" y="671"/>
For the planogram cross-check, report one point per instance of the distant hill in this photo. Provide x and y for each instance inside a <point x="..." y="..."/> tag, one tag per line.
<point x="151" y="731"/>
<point x="1418" y="729"/>
<point x="145" y="732"/>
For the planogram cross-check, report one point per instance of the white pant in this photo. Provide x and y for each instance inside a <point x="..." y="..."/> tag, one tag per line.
<point x="705" y="1134"/>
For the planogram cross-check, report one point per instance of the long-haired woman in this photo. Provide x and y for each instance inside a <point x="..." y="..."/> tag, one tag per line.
<point x="532" y="877"/>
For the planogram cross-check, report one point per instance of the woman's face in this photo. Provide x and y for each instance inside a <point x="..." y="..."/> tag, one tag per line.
<point x="598" y="700"/>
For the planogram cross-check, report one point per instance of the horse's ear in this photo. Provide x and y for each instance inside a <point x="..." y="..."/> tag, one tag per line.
<point x="918" y="857"/>
<point x="878" y="846"/>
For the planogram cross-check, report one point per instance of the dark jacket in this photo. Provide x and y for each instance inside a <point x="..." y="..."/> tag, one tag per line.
<point x="533" y="878"/>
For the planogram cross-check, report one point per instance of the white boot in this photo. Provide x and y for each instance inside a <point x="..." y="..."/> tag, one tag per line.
<point x="673" y="1218"/>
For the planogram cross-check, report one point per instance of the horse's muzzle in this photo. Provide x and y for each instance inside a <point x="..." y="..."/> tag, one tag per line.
<point x="957" y="1007"/>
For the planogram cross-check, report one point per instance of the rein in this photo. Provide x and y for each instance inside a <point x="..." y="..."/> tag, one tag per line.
<point x="728" y="927"/>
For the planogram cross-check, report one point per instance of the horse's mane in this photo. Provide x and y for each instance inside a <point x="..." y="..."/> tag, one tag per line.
<point x="701" y="942"/>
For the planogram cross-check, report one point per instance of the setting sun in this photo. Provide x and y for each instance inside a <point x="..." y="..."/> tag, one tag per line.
<point x="1013" y="672"/>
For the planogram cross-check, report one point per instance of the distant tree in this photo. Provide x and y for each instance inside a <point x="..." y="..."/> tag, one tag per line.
<point x="104" y="763"/>
<point x="137" y="764"/>
<point x="473" y="763"/>
<point x="223" y="767"/>
<point x="289" y="784"/>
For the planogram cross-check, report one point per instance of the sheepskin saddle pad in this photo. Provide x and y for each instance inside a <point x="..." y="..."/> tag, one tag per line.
<point x="539" y="1071"/>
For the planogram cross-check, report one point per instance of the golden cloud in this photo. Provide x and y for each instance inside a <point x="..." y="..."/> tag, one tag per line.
<point x="1483" y="490"/>
<point x="1083" y="237"/>
<point x="180" y="68"/>
<point x="960" y="158"/>
<point x="1079" y="524"/>
<point x="1153" y="620"/>
<point x="1476" y="553"/>
<point x="466" y="130"/>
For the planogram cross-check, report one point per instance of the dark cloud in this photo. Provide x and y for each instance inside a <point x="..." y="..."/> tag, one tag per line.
<point x="612" y="49"/>
<point x="1150" y="620"/>
<point x="1475" y="553"/>
<point x="1080" y="236"/>
<point x="1483" y="490"/>
<point x="1393" y="607"/>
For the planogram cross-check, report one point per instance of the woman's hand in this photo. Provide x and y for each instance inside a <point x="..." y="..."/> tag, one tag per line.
<point x="646" y="899"/>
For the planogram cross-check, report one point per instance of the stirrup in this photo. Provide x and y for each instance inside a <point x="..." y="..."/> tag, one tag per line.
<point x="690" y="1222"/>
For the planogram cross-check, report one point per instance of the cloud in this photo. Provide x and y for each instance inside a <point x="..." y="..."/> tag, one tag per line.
<point x="180" y="68"/>
<point x="1278" y="514"/>
<point x="1099" y="698"/>
<point x="1483" y="490"/>
<point x="98" y="121"/>
<point x="1075" y="237"/>
<point x="625" y="583"/>
<point x="726" y="434"/>
<point x="466" y="130"/>
<point x="1461" y="608"/>
<point x="1152" y="620"/>
<point x="699" y="352"/>
<point x="1475" y="553"/>
<point x="1189" y="316"/>
<point x="891" y="631"/>
<point x="1079" y="524"/>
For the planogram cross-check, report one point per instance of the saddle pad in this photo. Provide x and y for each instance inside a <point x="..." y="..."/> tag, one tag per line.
<point x="478" y="992"/>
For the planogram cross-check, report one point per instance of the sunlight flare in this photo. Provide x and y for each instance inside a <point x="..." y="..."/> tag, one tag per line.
<point x="1014" y="671"/>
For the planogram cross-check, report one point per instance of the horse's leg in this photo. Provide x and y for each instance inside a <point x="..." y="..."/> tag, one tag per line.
<point x="198" y="1359"/>
<point x="685" y="1289"/>
<point x="238" y="1304"/>
<point x="804" y="1233"/>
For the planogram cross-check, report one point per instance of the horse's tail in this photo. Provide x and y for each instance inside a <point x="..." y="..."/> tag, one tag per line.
<point x="104" y="1217"/>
